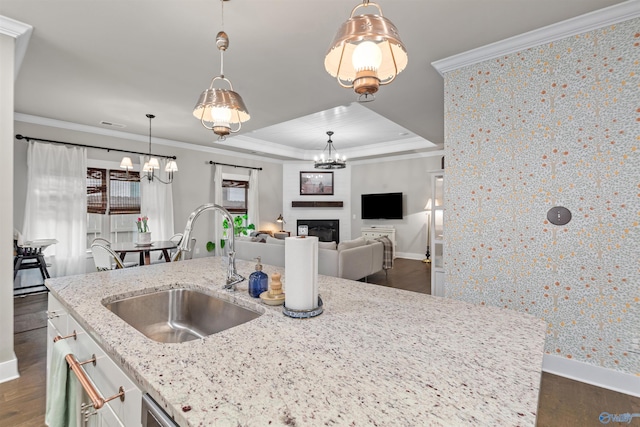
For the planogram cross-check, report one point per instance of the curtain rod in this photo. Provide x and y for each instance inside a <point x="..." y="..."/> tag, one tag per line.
<point x="211" y="162"/>
<point x="28" y="138"/>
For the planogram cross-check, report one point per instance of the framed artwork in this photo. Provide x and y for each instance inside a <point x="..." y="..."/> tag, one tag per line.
<point x="316" y="183"/>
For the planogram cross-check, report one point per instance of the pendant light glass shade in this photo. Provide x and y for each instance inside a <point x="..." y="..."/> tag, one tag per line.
<point x="366" y="52"/>
<point x="218" y="109"/>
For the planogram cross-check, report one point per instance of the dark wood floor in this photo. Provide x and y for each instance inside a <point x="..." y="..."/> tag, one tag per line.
<point x="562" y="402"/>
<point x="22" y="401"/>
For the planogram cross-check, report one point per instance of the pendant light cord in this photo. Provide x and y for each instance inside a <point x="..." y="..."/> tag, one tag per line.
<point x="222" y="50"/>
<point x="151" y="116"/>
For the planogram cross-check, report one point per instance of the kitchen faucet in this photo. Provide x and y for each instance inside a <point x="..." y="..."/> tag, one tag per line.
<point x="233" y="278"/>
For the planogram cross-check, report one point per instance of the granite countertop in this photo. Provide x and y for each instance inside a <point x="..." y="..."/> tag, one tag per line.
<point x="376" y="356"/>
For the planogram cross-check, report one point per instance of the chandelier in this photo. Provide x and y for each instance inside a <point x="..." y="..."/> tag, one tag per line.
<point x="152" y="163"/>
<point x="366" y="52"/>
<point x="332" y="160"/>
<point x="219" y="109"/>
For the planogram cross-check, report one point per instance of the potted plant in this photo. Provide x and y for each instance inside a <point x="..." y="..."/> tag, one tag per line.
<point x="240" y="227"/>
<point x="144" y="235"/>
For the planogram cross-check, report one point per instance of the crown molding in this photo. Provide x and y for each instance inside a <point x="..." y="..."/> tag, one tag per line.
<point x="570" y="27"/>
<point x="60" y="124"/>
<point x="385" y="150"/>
<point x="22" y="33"/>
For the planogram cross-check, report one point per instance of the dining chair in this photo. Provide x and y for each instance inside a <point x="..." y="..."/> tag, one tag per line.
<point x="105" y="242"/>
<point x="106" y="259"/>
<point x="101" y="240"/>
<point x="176" y="238"/>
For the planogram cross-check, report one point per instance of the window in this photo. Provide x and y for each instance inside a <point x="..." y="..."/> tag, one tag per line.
<point x="113" y="204"/>
<point x="234" y="196"/>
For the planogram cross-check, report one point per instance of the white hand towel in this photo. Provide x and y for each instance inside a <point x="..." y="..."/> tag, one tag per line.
<point x="62" y="389"/>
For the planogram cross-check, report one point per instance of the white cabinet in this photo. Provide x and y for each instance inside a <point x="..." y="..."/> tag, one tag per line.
<point x="104" y="374"/>
<point x="437" y="234"/>
<point x="376" y="231"/>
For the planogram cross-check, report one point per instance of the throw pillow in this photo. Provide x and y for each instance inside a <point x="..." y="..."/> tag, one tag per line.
<point x="327" y="245"/>
<point x="275" y="241"/>
<point x="349" y="244"/>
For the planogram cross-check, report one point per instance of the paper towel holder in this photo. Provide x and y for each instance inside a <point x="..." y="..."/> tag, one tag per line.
<point x="304" y="314"/>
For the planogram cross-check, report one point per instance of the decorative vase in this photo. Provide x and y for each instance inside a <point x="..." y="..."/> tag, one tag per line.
<point x="144" y="238"/>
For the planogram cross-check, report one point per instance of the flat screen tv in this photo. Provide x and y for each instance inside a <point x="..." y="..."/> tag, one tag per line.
<point x="382" y="206"/>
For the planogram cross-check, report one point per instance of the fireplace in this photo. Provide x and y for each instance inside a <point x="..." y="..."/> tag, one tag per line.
<point x="326" y="230"/>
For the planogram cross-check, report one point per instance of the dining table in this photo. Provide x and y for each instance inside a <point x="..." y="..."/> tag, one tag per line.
<point x="123" y="248"/>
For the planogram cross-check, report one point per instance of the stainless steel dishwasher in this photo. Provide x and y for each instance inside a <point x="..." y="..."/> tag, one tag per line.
<point x="153" y="415"/>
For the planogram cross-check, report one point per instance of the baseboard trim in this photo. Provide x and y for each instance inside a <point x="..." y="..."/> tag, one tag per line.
<point x="9" y="369"/>
<point x="592" y="374"/>
<point x="409" y="255"/>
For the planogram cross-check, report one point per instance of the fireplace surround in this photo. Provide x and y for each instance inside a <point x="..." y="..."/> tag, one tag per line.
<point x="326" y="230"/>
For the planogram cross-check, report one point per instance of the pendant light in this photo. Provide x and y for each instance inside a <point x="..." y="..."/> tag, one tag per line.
<point x="220" y="109"/>
<point x="152" y="163"/>
<point x="366" y="52"/>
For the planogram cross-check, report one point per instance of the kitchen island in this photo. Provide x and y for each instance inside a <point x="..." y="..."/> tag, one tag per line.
<point x="376" y="356"/>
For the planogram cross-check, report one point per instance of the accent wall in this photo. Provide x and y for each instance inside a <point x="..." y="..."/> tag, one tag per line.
<point x="553" y="125"/>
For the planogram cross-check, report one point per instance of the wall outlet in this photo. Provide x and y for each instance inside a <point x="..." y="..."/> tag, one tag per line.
<point x="197" y="251"/>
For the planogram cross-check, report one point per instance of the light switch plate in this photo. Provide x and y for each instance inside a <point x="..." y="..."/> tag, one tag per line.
<point x="559" y="215"/>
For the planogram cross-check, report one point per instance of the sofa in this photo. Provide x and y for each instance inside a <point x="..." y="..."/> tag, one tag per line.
<point x="353" y="259"/>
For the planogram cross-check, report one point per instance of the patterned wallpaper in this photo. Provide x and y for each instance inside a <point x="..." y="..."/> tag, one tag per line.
<point x="554" y="125"/>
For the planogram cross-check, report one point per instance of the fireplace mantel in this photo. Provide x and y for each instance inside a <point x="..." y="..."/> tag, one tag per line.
<point x="316" y="204"/>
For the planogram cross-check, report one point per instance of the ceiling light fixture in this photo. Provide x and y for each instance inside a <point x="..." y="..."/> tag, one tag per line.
<point x="218" y="109"/>
<point x="152" y="163"/>
<point x="333" y="160"/>
<point x="366" y="52"/>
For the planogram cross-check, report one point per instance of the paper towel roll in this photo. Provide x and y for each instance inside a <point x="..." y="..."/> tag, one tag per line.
<point x="301" y="273"/>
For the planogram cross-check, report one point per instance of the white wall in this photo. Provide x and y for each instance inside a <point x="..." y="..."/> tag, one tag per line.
<point x="409" y="176"/>
<point x="291" y="192"/>
<point x="192" y="184"/>
<point x="8" y="361"/>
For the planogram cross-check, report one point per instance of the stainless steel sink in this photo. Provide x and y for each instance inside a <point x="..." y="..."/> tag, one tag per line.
<point x="179" y="315"/>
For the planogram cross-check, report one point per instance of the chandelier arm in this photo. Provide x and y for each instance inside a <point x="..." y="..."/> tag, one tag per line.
<point x="169" y="181"/>
<point x="151" y="176"/>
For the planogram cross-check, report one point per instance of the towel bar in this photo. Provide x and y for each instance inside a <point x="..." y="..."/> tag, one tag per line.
<point x="96" y="400"/>
<point x="74" y="335"/>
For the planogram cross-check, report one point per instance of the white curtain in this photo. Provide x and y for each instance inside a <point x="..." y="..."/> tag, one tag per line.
<point x="253" y="202"/>
<point x="56" y="206"/>
<point x="217" y="199"/>
<point x="156" y="202"/>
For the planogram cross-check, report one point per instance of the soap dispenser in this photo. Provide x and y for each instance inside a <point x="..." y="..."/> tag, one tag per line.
<point x="258" y="281"/>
